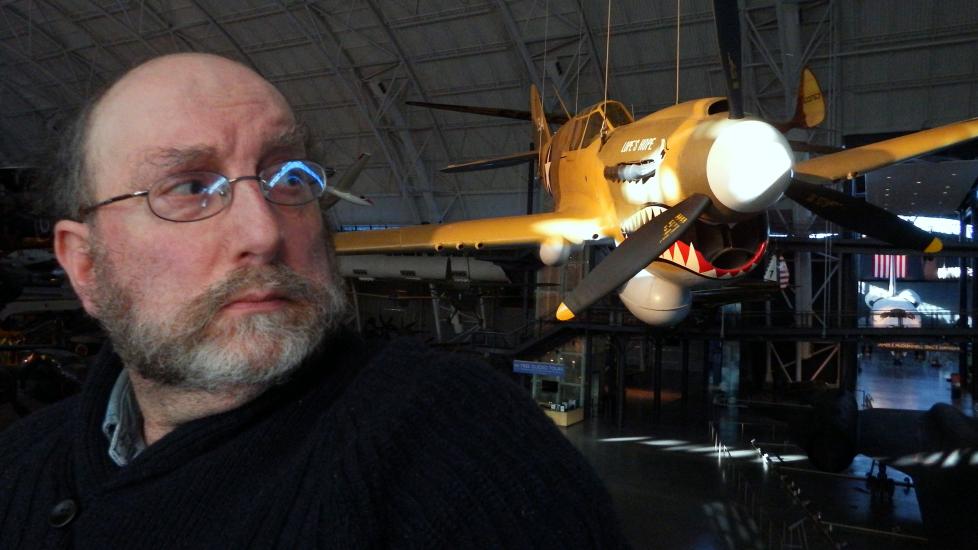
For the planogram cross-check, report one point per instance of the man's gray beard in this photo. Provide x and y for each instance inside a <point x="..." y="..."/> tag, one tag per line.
<point x="193" y="350"/>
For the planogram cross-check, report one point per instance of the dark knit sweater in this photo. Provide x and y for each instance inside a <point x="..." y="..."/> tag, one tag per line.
<point x="412" y="448"/>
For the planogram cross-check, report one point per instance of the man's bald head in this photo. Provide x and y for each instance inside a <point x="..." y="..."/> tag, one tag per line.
<point x="155" y="85"/>
<point x="204" y="306"/>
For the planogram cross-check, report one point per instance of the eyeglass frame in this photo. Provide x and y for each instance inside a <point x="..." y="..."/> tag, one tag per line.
<point x="85" y="211"/>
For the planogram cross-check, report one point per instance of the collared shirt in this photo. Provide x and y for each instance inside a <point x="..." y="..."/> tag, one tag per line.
<point x="123" y="423"/>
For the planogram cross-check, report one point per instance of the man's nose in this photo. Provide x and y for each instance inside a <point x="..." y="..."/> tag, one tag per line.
<point x="256" y="231"/>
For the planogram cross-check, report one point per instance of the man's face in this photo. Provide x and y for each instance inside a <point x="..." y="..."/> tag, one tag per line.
<point x="236" y="299"/>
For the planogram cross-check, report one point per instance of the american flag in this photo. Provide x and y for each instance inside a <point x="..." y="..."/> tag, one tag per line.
<point x="881" y="265"/>
<point x="777" y="272"/>
<point x="783" y="277"/>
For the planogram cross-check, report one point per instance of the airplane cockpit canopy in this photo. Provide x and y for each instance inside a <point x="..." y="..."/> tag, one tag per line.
<point x="587" y="125"/>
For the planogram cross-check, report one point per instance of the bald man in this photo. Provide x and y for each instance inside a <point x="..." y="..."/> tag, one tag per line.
<point x="230" y="408"/>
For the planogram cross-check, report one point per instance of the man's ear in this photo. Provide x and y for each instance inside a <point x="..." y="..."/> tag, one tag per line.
<point x="72" y="247"/>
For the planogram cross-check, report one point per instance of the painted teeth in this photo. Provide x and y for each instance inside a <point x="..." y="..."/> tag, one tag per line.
<point x="640" y="218"/>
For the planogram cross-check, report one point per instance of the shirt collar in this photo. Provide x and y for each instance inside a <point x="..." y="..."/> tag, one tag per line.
<point x="123" y="423"/>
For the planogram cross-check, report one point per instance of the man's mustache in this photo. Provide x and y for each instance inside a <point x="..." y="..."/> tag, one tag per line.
<point x="277" y="278"/>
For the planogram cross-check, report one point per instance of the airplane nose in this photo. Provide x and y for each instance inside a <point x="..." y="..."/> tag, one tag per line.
<point x="749" y="165"/>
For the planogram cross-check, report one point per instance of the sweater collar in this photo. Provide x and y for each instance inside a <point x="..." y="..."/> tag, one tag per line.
<point x="328" y="369"/>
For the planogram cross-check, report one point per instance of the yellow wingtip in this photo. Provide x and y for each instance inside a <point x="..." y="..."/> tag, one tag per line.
<point x="564" y="313"/>
<point x="934" y="247"/>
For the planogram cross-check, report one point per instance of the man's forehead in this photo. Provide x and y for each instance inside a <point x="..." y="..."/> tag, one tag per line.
<point x="292" y="138"/>
<point x="176" y="100"/>
<point x="150" y="162"/>
<point x="171" y="134"/>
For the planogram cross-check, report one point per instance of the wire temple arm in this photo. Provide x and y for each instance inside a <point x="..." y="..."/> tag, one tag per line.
<point x="86" y="210"/>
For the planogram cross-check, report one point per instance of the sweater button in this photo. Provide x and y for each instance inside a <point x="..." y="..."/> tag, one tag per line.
<point x="62" y="513"/>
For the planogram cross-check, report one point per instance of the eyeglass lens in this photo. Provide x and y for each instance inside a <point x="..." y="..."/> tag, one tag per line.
<point x="191" y="196"/>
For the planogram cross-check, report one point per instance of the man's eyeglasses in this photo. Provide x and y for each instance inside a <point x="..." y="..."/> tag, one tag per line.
<point x="193" y="196"/>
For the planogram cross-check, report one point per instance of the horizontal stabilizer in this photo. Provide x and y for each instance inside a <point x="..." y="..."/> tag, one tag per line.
<point x="553" y="118"/>
<point x="491" y="163"/>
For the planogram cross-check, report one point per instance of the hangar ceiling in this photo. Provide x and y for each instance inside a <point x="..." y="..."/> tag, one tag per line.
<point x="348" y="67"/>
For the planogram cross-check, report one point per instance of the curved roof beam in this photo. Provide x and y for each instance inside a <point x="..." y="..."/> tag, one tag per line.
<point x="42" y="70"/>
<point x="317" y="38"/>
<point x="598" y="61"/>
<point x="95" y="41"/>
<point x="174" y="33"/>
<point x="91" y="66"/>
<point x="412" y="75"/>
<point x="35" y="108"/>
<point x="131" y="31"/>
<point x="199" y="4"/>
<point x="517" y="38"/>
<point x="514" y="35"/>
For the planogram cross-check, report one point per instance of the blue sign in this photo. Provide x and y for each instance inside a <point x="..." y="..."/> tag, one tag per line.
<point x="536" y="367"/>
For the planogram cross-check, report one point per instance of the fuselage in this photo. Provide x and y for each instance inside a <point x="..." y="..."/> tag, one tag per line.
<point x="635" y="170"/>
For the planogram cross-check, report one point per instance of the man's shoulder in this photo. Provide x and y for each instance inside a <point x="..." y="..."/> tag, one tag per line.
<point x="406" y="366"/>
<point x="408" y="385"/>
<point x="41" y="429"/>
<point x="457" y="451"/>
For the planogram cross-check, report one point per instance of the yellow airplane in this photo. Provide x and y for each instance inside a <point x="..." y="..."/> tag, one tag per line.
<point x="682" y="192"/>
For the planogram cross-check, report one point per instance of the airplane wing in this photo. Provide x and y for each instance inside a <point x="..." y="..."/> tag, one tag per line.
<point x="852" y="162"/>
<point x="509" y="231"/>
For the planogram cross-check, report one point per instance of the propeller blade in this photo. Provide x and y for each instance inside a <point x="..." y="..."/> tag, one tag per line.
<point x="726" y="15"/>
<point x="553" y="118"/>
<point x="491" y="163"/>
<point x="861" y="216"/>
<point x="632" y="255"/>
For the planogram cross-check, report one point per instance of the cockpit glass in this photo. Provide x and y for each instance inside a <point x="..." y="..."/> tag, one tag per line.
<point x="617" y="114"/>
<point x="592" y="129"/>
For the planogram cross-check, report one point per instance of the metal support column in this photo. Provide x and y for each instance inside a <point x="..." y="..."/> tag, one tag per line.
<point x="618" y="343"/>
<point x="435" y="306"/>
<point x="530" y="182"/>
<point x="590" y="403"/>
<point x="970" y="378"/>
<point x="657" y="379"/>
<point x="707" y="368"/>
<point x="356" y="305"/>
<point x="684" y="383"/>
<point x="849" y="296"/>
<point x="789" y="27"/>
<point x="963" y="294"/>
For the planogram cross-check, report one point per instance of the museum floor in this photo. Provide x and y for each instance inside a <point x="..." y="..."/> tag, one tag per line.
<point x="696" y="481"/>
<point x="693" y="479"/>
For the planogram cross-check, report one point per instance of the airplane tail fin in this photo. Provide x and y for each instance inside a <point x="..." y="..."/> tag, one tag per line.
<point x="541" y="131"/>
<point x="347" y="179"/>
<point x="810" y="104"/>
<point x="341" y="189"/>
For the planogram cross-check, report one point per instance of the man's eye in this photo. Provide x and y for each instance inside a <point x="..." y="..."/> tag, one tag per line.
<point x="188" y="185"/>
<point x="293" y="180"/>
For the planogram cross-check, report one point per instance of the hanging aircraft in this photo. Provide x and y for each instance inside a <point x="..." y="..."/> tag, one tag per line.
<point x="341" y="189"/>
<point x="682" y="192"/>
<point x="890" y="309"/>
